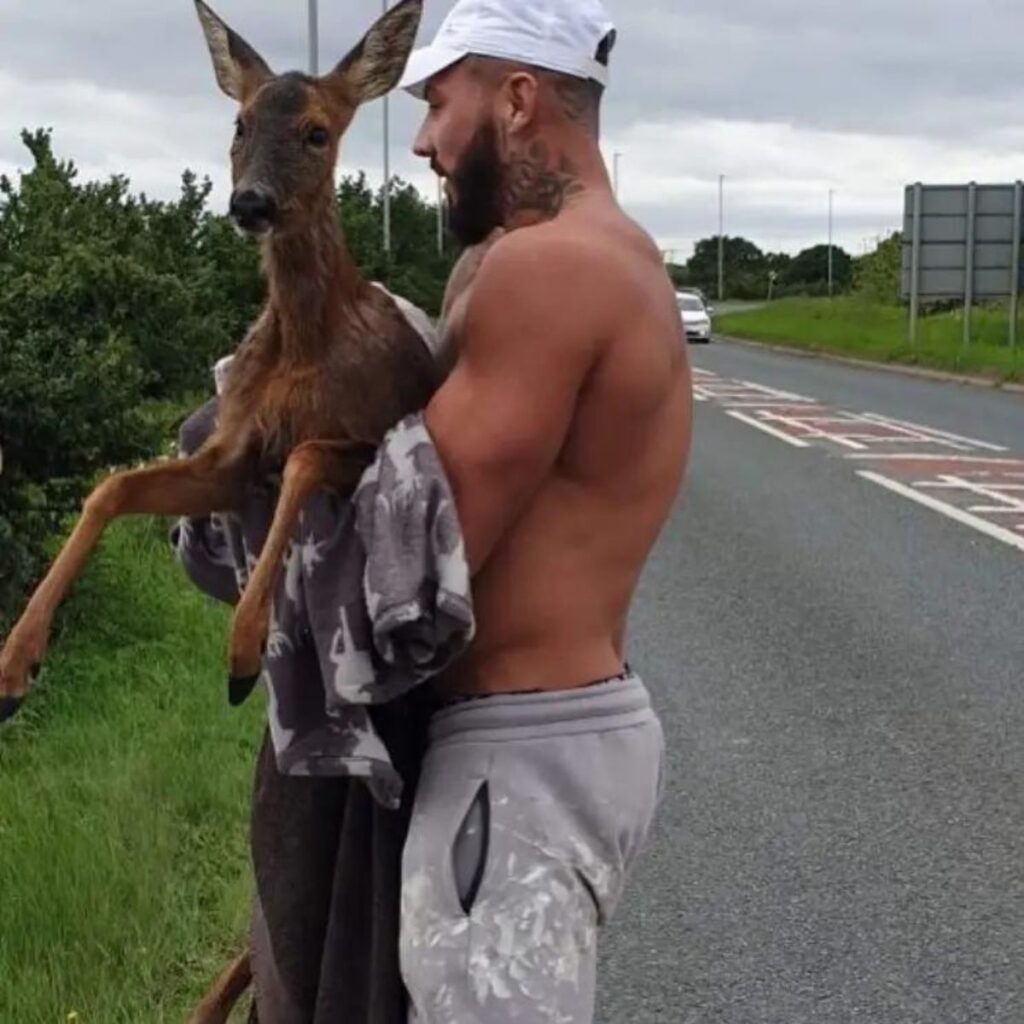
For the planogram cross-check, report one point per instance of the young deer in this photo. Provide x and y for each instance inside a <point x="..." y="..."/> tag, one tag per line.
<point x="330" y="365"/>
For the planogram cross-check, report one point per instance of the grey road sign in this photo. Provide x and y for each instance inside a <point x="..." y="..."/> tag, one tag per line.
<point x="962" y="242"/>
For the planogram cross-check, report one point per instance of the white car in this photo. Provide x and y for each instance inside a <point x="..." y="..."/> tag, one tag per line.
<point x="696" y="317"/>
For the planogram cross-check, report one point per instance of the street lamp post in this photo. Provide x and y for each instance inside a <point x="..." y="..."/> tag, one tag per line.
<point x="831" y="193"/>
<point x="387" y="163"/>
<point x="314" y="39"/>
<point x="721" y="238"/>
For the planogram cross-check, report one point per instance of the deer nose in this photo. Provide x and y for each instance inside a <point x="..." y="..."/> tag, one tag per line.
<point x="253" y="209"/>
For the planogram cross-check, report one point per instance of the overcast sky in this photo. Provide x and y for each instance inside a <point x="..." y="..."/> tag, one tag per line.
<point x="787" y="98"/>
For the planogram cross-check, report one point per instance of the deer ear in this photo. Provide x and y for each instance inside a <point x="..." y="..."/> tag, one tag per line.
<point x="375" y="65"/>
<point x="239" y="68"/>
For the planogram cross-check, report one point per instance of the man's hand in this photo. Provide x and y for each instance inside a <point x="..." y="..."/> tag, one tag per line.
<point x="530" y="338"/>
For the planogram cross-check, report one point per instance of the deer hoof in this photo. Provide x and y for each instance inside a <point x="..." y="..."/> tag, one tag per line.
<point x="20" y="658"/>
<point x="9" y="707"/>
<point x="15" y="673"/>
<point x="240" y="689"/>
<point x="241" y="683"/>
<point x="247" y="648"/>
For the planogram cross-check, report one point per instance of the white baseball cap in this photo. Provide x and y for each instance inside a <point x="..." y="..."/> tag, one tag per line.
<point x="558" y="35"/>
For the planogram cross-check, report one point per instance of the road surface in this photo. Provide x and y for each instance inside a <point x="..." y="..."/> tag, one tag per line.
<point x="833" y="628"/>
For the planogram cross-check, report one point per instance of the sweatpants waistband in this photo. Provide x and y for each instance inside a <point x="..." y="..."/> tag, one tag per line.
<point x="616" y="704"/>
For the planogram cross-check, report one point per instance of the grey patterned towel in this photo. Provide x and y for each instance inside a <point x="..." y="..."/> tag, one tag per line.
<point x="374" y="600"/>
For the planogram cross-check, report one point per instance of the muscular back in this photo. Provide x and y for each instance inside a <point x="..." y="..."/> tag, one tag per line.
<point x="553" y="594"/>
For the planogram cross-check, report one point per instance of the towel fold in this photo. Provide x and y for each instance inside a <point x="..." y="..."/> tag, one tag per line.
<point x="374" y="600"/>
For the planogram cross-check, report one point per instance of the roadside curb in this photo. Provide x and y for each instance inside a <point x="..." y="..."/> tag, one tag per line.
<point x="901" y="368"/>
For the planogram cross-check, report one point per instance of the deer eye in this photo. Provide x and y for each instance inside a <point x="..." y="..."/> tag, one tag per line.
<point x="318" y="137"/>
<point x="239" y="130"/>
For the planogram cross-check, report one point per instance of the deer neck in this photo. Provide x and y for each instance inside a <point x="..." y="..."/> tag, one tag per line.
<point x="313" y="279"/>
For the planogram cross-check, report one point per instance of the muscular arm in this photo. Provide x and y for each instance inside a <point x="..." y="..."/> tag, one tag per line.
<point x="502" y="418"/>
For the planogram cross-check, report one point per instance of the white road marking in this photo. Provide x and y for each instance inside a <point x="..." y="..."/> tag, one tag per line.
<point x="758" y="425"/>
<point x="757" y="403"/>
<point x="779" y="414"/>
<point x="956" y="486"/>
<point x="840" y="439"/>
<point x="808" y="424"/>
<point x="775" y="392"/>
<point x="924" y="457"/>
<point x="950" y="511"/>
<point x="930" y="431"/>
<point x="1006" y="502"/>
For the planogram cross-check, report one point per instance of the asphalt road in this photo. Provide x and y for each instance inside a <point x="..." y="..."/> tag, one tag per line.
<point x="839" y="663"/>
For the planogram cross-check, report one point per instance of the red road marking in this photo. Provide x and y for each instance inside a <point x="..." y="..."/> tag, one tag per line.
<point x="944" y="471"/>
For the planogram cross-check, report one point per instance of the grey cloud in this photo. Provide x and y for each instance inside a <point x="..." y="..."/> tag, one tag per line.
<point x="907" y="66"/>
<point x="157" y="47"/>
<point x="878" y="67"/>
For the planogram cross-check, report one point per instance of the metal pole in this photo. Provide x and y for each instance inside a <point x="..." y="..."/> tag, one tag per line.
<point x="915" y="265"/>
<point x="1018" y="201"/>
<point x="314" y="39"/>
<point x="972" y="206"/>
<point x="721" y="240"/>
<point x="387" y="163"/>
<point x="830" y="194"/>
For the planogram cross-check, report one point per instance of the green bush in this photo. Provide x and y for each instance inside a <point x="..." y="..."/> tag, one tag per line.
<point x="877" y="275"/>
<point x="71" y="378"/>
<point x="415" y="269"/>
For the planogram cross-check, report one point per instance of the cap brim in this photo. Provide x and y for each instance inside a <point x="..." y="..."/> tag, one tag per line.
<point x="424" y="64"/>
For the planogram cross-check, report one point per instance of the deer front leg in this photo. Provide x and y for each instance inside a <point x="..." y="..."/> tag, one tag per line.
<point x="205" y="483"/>
<point x="335" y="465"/>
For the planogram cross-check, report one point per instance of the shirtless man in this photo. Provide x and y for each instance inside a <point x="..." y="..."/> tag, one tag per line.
<point x="564" y="429"/>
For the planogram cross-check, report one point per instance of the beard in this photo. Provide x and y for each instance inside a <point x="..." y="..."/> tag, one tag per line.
<point x="477" y="207"/>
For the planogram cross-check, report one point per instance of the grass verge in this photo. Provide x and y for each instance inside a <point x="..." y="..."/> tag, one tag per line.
<point x="124" y="786"/>
<point x="852" y="327"/>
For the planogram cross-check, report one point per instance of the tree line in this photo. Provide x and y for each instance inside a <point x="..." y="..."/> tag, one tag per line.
<point x="113" y="308"/>
<point x="750" y="273"/>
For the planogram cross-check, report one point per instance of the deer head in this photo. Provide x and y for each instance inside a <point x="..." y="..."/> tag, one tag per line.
<point x="289" y="126"/>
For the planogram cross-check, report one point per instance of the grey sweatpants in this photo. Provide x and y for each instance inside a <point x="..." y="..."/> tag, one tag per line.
<point x="529" y="814"/>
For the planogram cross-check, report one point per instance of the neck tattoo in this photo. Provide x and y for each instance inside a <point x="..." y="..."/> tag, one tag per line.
<point x="538" y="180"/>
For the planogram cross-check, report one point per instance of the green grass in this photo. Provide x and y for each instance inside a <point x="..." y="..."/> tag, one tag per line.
<point x="124" y="788"/>
<point x="852" y="327"/>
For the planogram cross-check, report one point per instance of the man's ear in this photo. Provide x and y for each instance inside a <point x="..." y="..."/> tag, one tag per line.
<point x="375" y="65"/>
<point x="519" y="99"/>
<point x="239" y="68"/>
